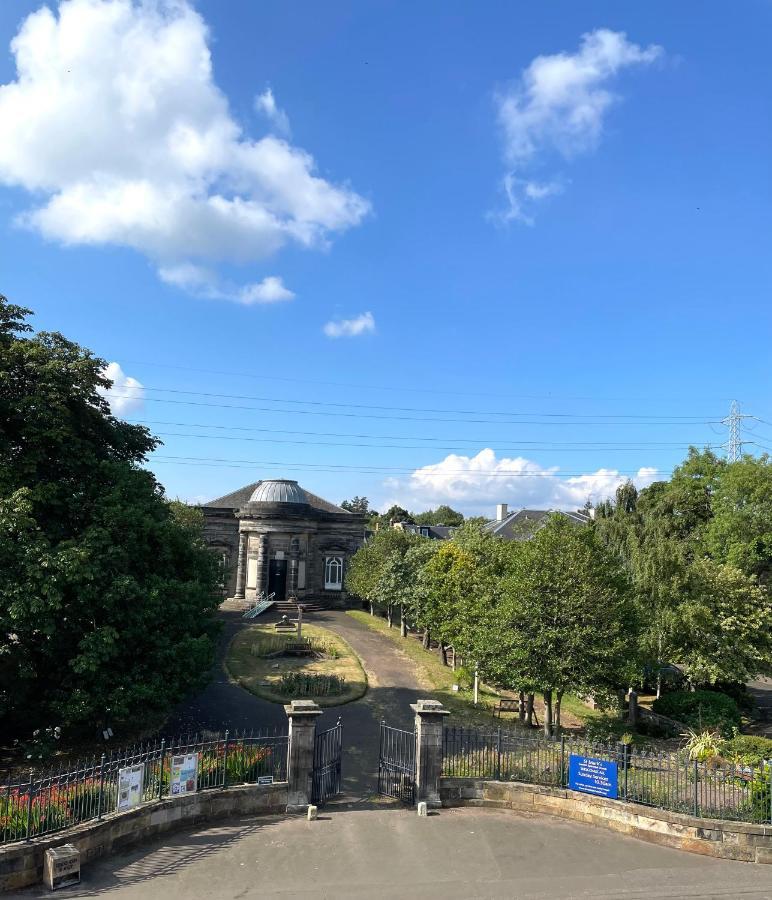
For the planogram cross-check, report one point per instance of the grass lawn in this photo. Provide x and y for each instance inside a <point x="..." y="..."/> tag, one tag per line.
<point x="439" y="680"/>
<point x="246" y="665"/>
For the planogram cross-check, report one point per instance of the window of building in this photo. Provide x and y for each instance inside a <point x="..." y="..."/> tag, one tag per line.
<point x="333" y="573"/>
<point x="424" y="532"/>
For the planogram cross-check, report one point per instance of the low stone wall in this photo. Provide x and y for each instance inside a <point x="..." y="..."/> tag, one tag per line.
<point x="710" y="837"/>
<point x="22" y="864"/>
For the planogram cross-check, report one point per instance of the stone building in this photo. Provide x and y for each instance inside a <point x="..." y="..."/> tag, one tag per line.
<point x="277" y="538"/>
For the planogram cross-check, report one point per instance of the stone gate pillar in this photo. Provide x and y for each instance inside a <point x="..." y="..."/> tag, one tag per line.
<point x="302" y="715"/>
<point x="429" y="718"/>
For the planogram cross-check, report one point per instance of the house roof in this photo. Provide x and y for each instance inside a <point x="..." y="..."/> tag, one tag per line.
<point x="524" y="523"/>
<point x="238" y="498"/>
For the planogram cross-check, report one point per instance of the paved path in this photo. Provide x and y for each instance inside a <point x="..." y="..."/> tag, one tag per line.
<point x="761" y="691"/>
<point x="393" y="685"/>
<point x="461" y="853"/>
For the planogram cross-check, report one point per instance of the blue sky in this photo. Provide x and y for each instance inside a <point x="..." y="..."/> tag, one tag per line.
<point x="321" y="218"/>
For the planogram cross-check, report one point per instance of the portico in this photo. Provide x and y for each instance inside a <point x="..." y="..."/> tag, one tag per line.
<point x="275" y="537"/>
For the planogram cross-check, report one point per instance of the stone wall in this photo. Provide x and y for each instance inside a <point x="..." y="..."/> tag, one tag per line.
<point x="22" y="864"/>
<point x="710" y="837"/>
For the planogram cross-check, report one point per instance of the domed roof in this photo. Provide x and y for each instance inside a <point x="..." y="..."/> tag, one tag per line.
<point x="278" y="490"/>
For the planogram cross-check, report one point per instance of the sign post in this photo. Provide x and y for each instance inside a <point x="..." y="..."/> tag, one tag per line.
<point x="591" y="775"/>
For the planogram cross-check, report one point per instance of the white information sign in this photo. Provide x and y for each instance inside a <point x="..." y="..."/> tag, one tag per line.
<point x="184" y="777"/>
<point x="131" y="781"/>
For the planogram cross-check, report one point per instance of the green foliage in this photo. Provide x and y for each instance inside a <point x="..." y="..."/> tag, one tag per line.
<point x="359" y="505"/>
<point x="443" y="515"/>
<point x="704" y="745"/>
<point x="748" y="749"/>
<point x="698" y="551"/>
<point x="700" y="710"/>
<point x="107" y="594"/>
<point x="300" y="684"/>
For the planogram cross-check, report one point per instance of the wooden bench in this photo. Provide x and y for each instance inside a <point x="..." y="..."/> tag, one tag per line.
<point x="506" y="705"/>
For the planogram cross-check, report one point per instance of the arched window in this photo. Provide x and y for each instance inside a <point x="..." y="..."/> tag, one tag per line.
<point x="333" y="573"/>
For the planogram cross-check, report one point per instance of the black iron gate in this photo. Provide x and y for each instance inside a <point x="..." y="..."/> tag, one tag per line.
<point x="396" y="764"/>
<point x="325" y="781"/>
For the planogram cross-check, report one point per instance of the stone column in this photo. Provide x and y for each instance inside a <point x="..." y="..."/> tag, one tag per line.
<point x="292" y="580"/>
<point x="262" y="564"/>
<point x="302" y="716"/>
<point x="241" y="568"/>
<point x="429" y="717"/>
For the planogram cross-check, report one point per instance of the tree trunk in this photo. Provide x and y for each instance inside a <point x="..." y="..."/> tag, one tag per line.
<point x="402" y="622"/>
<point x="372" y="608"/>
<point x="426" y="643"/>
<point x="453" y="664"/>
<point x="529" y="710"/>
<point x="558" y="701"/>
<point x="548" y="713"/>
<point x="444" y="654"/>
<point x="390" y="615"/>
<point x="521" y="706"/>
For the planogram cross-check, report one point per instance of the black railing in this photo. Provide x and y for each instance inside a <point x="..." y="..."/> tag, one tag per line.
<point x="49" y="802"/>
<point x="665" y="779"/>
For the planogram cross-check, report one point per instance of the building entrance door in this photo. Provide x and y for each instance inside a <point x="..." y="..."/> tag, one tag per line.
<point x="277" y="578"/>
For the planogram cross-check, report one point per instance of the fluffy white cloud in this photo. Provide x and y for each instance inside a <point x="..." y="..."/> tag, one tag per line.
<point x="114" y="119"/>
<point x="559" y="105"/>
<point x="265" y="104"/>
<point x="203" y="282"/>
<point x="364" y="324"/>
<point x="126" y="395"/>
<point x="477" y="483"/>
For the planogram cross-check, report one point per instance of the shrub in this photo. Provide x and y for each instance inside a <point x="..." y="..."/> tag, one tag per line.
<point x="299" y="684"/>
<point x="748" y="749"/>
<point x="704" y="745"/>
<point x="700" y="710"/>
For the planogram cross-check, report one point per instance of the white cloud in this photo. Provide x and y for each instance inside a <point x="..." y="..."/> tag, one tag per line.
<point x="203" y="282"/>
<point x="558" y="106"/>
<point x="477" y="483"/>
<point x="364" y="324"/>
<point x="115" y="121"/>
<point x="126" y="394"/>
<point x="265" y="104"/>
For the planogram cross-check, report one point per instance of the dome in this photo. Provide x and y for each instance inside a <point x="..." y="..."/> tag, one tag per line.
<point x="278" y="490"/>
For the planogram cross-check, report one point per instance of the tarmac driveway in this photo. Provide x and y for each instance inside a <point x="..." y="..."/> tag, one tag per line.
<point x="393" y="684"/>
<point x="459" y="853"/>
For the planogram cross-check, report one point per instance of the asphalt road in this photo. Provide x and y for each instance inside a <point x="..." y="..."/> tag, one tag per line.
<point x="393" y="684"/>
<point x="460" y="853"/>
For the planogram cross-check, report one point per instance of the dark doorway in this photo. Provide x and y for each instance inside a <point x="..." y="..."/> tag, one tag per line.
<point x="277" y="578"/>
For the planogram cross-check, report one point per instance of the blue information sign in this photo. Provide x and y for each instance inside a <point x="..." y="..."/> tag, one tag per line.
<point x="592" y="776"/>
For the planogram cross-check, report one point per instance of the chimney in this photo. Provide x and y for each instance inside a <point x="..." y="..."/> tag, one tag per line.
<point x="501" y="512"/>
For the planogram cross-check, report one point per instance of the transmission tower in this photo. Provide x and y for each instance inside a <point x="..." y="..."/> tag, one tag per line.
<point x="734" y="446"/>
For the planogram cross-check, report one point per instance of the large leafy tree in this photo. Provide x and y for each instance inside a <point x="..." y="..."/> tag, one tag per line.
<point x="107" y="592"/>
<point x="565" y="620"/>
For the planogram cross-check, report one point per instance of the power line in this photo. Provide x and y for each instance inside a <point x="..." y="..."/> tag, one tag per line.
<point x="455" y="412"/>
<point x="389" y="470"/>
<point x="394" y="437"/>
<point x="309" y="412"/>
<point x="564" y="449"/>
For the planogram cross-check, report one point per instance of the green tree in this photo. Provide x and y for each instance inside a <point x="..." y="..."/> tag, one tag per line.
<point x="443" y="515"/>
<point x="565" y="620"/>
<point x="726" y="632"/>
<point x="106" y="597"/>
<point x="360" y="505"/>
<point x="366" y="567"/>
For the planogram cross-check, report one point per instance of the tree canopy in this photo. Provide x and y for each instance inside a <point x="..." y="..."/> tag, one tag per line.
<point x="107" y="592"/>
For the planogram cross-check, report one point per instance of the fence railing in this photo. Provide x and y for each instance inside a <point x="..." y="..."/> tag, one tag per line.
<point x="124" y="779"/>
<point x="667" y="780"/>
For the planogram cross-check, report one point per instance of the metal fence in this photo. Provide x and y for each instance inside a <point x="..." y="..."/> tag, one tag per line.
<point x="396" y="764"/>
<point x="668" y="780"/>
<point x="49" y="802"/>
